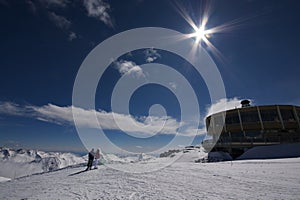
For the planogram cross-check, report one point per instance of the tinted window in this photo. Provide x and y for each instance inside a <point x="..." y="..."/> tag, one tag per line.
<point x="208" y="122"/>
<point x="237" y="135"/>
<point x="269" y="115"/>
<point x="287" y="115"/>
<point x="298" y="113"/>
<point x="253" y="134"/>
<point x="232" y="118"/>
<point x="250" y="116"/>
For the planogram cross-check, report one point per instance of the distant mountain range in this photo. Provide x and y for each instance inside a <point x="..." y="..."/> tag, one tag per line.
<point x="21" y="162"/>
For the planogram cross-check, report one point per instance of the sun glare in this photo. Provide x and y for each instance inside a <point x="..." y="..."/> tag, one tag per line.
<point x="200" y="34"/>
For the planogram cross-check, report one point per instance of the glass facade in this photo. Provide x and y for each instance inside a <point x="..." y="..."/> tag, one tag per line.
<point x="256" y="126"/>
<point x="298" y="113"/>
<point x="287" y="115"/>
<point x="232" y="118"/>
<point x="250" y="125"/>
<point x="269" y="115"/>
<point x="253" y="134"/>
<point x="250" y="116"/>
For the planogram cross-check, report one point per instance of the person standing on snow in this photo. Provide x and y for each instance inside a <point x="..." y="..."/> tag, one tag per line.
<point x="91" y="159"/>
<point x="97" y="157"/>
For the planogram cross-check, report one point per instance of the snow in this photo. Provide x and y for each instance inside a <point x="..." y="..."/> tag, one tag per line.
<point x="18" y="163"/>
<point x="219" y="156"/>
<point x="273" y="151"/>
<point x="3" y="179"/>
<point x="184" y="179"/>
<point x="190" y="155"/>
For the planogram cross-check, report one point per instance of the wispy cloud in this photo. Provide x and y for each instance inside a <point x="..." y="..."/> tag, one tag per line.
<point x="59" y="21"/>
<point x="223" y="104"/>
<point x="10" y="108"/>
<point x="62" y="23"/>
<point x="50" y="7"/>
<point x="138" y="126"/>
<point x="151" y="55"/>
<point x="130" y="68"/>
<point x="72" y="36"/>
<point x="98" y="9"/>
<point x="54" y="3"/>
<point x="31" y="6"/>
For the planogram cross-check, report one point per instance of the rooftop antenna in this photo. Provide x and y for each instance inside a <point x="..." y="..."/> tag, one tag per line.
<point x="245" y="103"/>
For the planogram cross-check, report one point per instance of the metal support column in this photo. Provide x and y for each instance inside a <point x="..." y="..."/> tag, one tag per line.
<point x="296" y="116"/>
<point x="280" y="117"/>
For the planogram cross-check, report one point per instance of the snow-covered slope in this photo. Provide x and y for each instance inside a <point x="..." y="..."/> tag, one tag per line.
<point x="112" y="158"/>
<point x="255" y="179"/>
<point x="182" y="179"/>
<point x="187" y="154"/>
<point x="3" y="179"/>
<point x="17" y="163"/>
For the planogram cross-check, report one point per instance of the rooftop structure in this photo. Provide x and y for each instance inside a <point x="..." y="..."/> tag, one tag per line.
<point x="234" y="131"/>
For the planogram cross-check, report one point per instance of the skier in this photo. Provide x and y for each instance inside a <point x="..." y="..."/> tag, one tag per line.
<point x="97" y="157"/>
<point x="91" y="159"/>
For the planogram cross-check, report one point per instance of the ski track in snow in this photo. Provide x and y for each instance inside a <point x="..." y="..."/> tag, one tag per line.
<point x="252" y="179"/>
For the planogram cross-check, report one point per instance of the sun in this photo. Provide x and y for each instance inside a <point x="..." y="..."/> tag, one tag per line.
<point x="199" y="33"/>
<point x="202" y="32"/>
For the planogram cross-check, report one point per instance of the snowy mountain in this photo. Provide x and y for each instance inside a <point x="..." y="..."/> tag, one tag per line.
<point x="112" y="158"/>
<point x="196" y="154"/>
<point x="247" y="179"/>
<point x="174" y="175"/>
<point x="21" y="162"/>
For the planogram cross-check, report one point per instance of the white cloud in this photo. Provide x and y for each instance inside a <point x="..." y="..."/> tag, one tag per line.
<point x="63" y="23"/>
<point x="98" y="9"/>
<point x="60" y="21"/>
<point x="72" y="36"/>
<point x="50" y="7"/>
<point x="54" y="3"/>
<point x="151" y="55"/>
<point x="129" y="67"/>
<point x="194" y="131"/>
<point x="223" y="104"/>
<point x="141" y="126"/>
<point x="31" y="6"/>
<point x="150" y="59"/>
<point x="11" y="109"/>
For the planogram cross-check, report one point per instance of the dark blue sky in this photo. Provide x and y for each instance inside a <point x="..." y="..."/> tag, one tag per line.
<point x="43" y="44"/>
